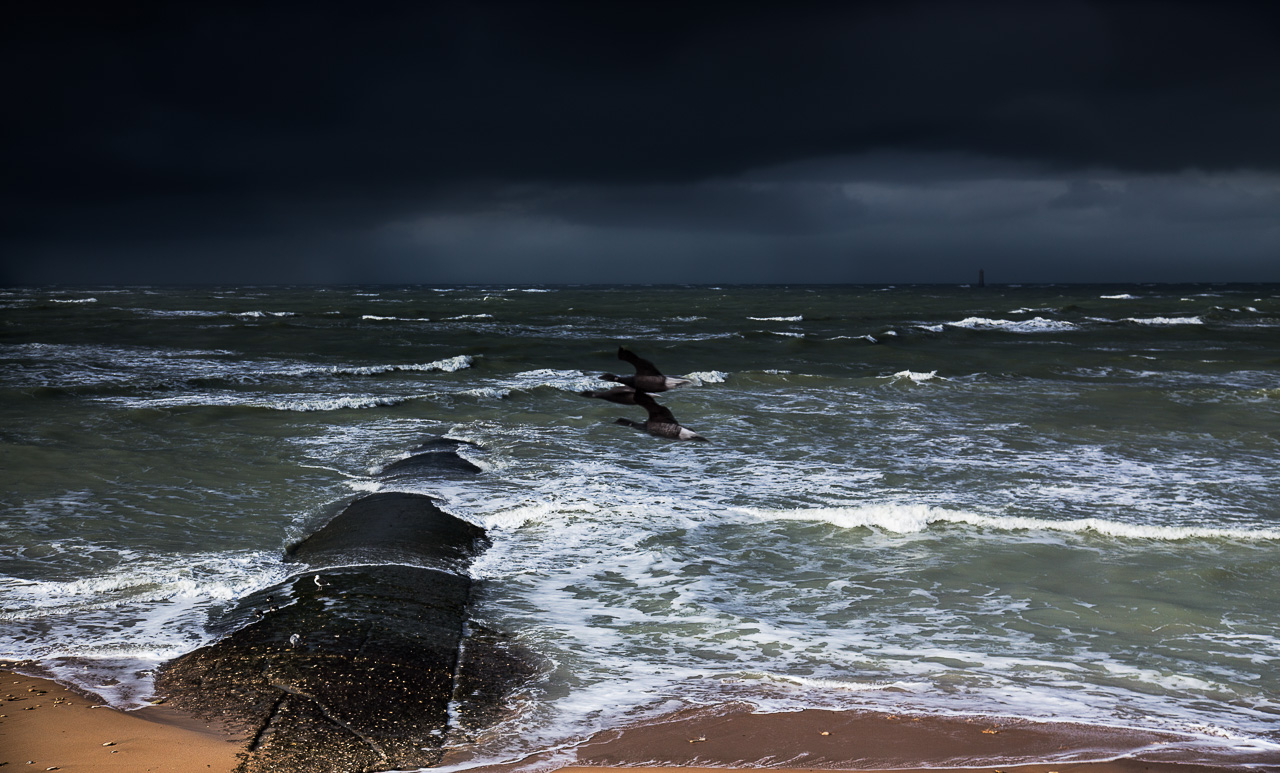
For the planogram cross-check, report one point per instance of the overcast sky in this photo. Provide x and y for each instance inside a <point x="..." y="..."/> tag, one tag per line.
<point x="618" y="141"/>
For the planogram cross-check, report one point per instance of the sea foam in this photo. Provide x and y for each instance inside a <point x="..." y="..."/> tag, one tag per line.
<point x="447" y="365"/>
<point x="909" y="519"/>
<point x="912" y="375"/>
<point x="1033" y="325"/>
<point x="1165" y="320"/>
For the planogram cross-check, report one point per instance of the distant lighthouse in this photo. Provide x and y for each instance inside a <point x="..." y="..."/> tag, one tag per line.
<point x="982" y="281"/>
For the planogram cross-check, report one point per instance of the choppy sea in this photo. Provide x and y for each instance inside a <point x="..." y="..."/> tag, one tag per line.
<point x="1051" y="501"/>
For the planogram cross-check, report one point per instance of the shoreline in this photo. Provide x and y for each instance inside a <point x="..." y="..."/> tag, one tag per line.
<point x="49" y="727"/>
<point x="45" y="726"/>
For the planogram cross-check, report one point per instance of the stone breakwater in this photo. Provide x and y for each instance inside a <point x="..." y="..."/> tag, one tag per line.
<point x="367" y="659"/>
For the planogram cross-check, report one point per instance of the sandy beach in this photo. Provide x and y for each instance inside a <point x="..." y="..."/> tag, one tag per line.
<point x="43" y="726"/>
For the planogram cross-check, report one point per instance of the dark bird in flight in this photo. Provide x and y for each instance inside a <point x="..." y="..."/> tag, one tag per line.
<point x="624" y="395"/>
<point x="661" y="422"/>
<point x="647" y="378"/>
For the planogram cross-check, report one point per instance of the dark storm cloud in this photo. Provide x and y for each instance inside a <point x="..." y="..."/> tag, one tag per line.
<point x="328" y="128"/>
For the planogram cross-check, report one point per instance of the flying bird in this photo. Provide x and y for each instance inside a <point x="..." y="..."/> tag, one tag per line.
<point x="647" y="378"/>
<point x="660" y="422"/>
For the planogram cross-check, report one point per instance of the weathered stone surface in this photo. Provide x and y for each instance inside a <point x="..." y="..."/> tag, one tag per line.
<point x="353" y="673"/>
<point x="392" y="527"/>
<point x="352" y="667"/>
<point x="436" y="458"/>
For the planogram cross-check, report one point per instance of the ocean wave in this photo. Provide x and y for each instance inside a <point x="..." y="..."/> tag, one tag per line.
<point x="836" y="684"/>
<point x="263" y="314"/>
<point x="308" y="405"/>
<point x="707" y="376"/>
<point x="569" y="380"/>
<point x="168" y="596"/>
<point x="448" y="365"/>
<point x="299" y="403"/>
<point x="469" y="316"/>
<point x="868" y="338"/>
<point x="180" y="313"/>
<point x="497" y="392"/>
<point x="1033" y="325"/>
<point x="1120" y="297"/>
<point x="1165" y="320"/>
<point x="914" y="375"/>
<point x="912" y="519"/>
<point x="376" y="318"/>
<point x="796" y="318"/>
<point x="74" y="300"/>
<point x="147" y="580"/>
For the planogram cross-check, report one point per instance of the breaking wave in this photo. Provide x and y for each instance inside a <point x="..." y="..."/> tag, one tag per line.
<point x="1033" y="325"/>
<point x="447" y="365"/>
<point x="1165" y="320"/>
<point x="912" y="519"/>
<point x="913" y="375"/>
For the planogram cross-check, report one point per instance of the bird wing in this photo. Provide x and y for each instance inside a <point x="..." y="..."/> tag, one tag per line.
<point x="657" y="413"/>
<point x="623" y="394"/>
<point x="643" y="366"/>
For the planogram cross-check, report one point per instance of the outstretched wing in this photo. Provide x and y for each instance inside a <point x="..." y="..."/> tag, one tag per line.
<point x="643" y="366"/>
<point x="657" y="413"/>
<point x="623" y="394"/>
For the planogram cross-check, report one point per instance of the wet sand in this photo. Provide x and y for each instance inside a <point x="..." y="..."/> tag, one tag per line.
<point x="733" y="737"/>
<point x="46" y="727"/>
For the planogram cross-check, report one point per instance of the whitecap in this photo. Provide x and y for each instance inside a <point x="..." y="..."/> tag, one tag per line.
<point x="308" y="405"/>
<point x="1120" y="297"/>
<point x="496" y="392"/>
<point x="180" y="313"/>
<point x="1033" y="325"/>
<point x="914" y="375"/>
<point x="910" y="519"/>
<point x="299" y="403"/>
<point x="74" y="300"/>
<point x="447" y="365"/>
<point x="707" y="376"/>
<point x="796" y="318"/>
<point x="1165" y="320"/>
<point x="570" y="380"/>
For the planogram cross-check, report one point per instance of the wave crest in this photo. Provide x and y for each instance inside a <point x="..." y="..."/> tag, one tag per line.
<point x="448" y="365"/>
<point x="912" y="519"/>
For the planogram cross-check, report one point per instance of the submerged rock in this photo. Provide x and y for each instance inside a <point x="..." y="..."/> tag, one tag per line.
<point x="392" y="527"/>
<point x="439" y="462"/>
<point x="357" y="667"/>
<point x="352" y="674"/>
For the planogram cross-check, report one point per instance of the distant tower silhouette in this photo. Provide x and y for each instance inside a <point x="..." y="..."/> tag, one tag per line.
<point x="982" y="282"/>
